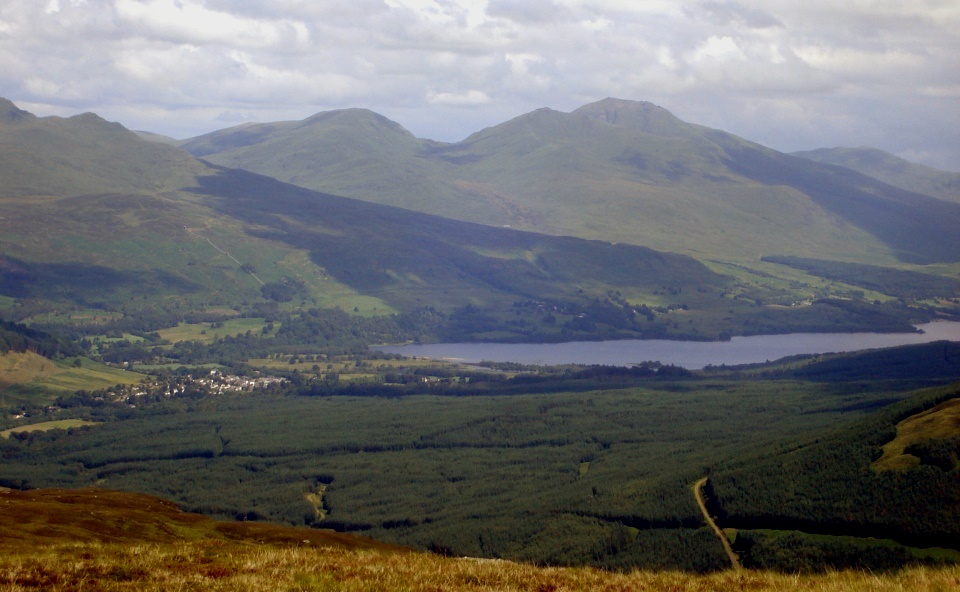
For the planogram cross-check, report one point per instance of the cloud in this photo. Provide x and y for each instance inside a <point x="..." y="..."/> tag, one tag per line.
<point x="189" y="21"/>
<point x="526" y="12"/>
<point x="733" y="13"/>
<point x="468" y="98"/>
<point x="794" y="74"/>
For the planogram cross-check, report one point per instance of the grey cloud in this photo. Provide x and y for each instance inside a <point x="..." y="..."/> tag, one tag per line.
<point x="793" y="74"/>
<point x="725" y="13"/>
<point x="527" y="12"/>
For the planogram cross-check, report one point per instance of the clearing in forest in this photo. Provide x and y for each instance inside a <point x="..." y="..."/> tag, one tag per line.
<point x="938" y="423"/>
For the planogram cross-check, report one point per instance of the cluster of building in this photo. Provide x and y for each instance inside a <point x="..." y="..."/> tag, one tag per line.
<point x="214" y="383"/>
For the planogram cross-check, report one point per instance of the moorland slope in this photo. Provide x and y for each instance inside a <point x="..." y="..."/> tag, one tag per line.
<point x="111" y="541"/>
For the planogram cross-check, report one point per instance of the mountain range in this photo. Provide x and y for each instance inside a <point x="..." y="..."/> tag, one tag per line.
<point x="637" y="215"/>
<point x="615" y="170"/>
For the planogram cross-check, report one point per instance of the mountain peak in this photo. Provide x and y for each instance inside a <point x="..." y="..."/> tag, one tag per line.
<point x="641" y="115"/>
<point x="10" y="113"/>
<point x="357" y="117"/>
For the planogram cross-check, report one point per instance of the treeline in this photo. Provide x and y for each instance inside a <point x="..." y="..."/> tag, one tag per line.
<point x="938" y="360"/>
<point x="316" y="331"/>
<point x="597" y="476"/>
<point x="147" y="321"/>
<point x="835" y="315"/>
<point x="908" y="285"/>
<point x="20" y="338"/>
<point x="799" y="552"/>
<point x="334" y="331"/>
<point x="447" y="382"/>
<point x="560" y="320"/>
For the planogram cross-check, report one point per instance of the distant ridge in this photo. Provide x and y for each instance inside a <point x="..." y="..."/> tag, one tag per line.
<point x="10" y="113"/>
<point x="82" y="154"/>
<point x="620" y="170"/>
<point x="891" y="169"/>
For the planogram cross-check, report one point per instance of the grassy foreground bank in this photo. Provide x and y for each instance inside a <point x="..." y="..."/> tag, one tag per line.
<point x="95" y="539"/>
<point x="224" y="566"/>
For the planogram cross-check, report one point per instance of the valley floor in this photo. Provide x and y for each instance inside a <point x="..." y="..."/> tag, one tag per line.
<point x="228" y="566"/>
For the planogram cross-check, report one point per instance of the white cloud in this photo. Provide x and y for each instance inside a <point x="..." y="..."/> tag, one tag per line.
<point x="520" y="62"/>
<point x="784" y="73"/>
<point x="469" y="98"/>
<point x="189" y="21"/>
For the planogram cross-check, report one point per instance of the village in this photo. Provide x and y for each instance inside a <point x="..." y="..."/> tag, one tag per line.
<point x="213" y="383"/>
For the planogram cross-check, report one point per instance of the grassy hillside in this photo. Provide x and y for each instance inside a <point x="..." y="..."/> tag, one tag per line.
<point x="143" y="543"/>
<point x="84" y="154"/>
<point x="613" y="170"/>
<point x="63" y="516"/>
<point x="891" y="169"/>
<point x="165" y="236"/>
<point x="30" y="378"/>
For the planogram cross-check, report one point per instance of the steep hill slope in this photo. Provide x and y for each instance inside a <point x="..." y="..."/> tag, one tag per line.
<point x="891" y="169"/>
<point x="615" y="170"/>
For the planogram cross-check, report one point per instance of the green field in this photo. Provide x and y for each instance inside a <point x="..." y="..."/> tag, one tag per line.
<point x="206" y="332"/>
<point x="31" y="379"/>
<point x="63" y="424"/>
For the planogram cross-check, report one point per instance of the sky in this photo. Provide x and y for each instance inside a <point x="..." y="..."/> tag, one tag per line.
<point x="790" y="74"/>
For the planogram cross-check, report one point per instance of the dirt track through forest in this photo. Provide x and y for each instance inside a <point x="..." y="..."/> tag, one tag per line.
<point x="698" y="492"/>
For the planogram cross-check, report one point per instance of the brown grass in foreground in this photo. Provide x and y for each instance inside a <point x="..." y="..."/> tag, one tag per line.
<point x="93" y="539"/>
<point x="224" y="566"/>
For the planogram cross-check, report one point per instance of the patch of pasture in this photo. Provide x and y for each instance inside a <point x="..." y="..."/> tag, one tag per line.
<point x="62" y="424"/>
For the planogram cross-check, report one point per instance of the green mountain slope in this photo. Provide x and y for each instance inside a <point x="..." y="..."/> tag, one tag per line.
<point x="891" y="169"/>
<point x="83" y="154"/>
<point x="116" y="224"/>
<point x="614" y="170"/>
<point x="112" y="224"/>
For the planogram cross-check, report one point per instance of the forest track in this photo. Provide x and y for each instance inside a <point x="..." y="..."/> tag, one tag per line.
<point x="698" y="493"/>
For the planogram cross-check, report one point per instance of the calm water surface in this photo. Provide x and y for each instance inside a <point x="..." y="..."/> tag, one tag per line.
<point x="689" y="354"/>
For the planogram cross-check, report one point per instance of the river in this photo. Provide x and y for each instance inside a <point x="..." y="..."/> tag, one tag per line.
<point x="692" y="355"/>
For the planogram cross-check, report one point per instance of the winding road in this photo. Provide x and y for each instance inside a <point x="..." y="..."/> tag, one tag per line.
<point x="698" y="492"/>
